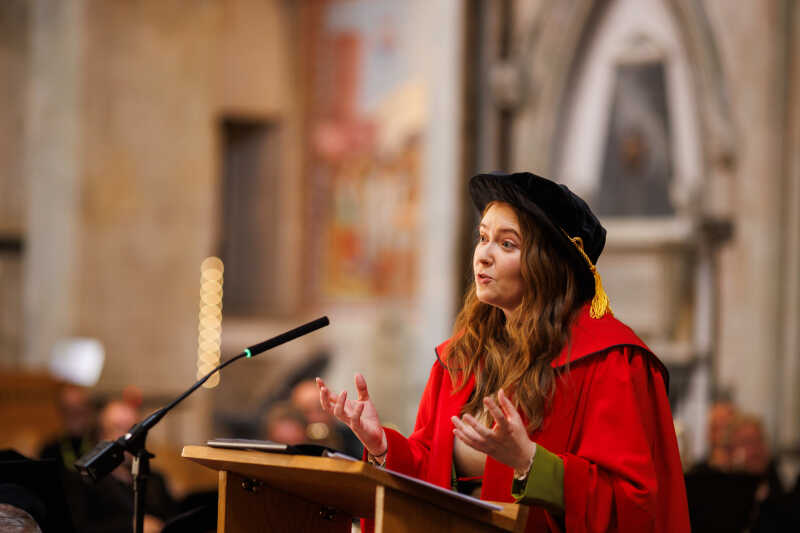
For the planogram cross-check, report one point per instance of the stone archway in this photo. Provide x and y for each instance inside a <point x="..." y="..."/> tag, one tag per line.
<point x="548" y="43"/>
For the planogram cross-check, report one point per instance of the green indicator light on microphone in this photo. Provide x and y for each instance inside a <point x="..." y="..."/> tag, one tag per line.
<point x="247" y="351"/>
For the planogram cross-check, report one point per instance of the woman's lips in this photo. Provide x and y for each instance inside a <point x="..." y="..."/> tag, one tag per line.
<point x="483" y="278"/>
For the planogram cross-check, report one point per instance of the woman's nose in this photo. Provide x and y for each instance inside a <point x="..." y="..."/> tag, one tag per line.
<point x="483" y="254"/>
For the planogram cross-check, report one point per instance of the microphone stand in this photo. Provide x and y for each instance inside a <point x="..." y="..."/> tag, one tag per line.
<point x="140" y="469"/>
<point x="106" y="456"/>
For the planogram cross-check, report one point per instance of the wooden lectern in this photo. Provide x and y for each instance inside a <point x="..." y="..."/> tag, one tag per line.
<point x="273" y="492"/>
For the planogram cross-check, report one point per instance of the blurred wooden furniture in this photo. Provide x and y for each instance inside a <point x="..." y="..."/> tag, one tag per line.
<point x="183" y="477"/>
<point x="260" y="492"/>
<point x="29" y="412"/>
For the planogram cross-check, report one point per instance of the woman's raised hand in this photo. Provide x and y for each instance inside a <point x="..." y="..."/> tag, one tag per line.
<point x="507" y="442"/>
<point x="359" y="415"/>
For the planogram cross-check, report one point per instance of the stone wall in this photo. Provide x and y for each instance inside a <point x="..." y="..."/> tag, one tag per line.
<point x="13" y="67"/>
<point x="13" y="96"/>
<point x="144" y="87"/>
<point x="751" y="285"/>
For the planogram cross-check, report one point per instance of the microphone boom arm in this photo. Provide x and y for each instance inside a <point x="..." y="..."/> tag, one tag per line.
<point x="108" y="455"/>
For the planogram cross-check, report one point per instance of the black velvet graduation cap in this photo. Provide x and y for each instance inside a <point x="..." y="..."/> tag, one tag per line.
<point x="559" y="211"/>
<point x="35" y="487"/>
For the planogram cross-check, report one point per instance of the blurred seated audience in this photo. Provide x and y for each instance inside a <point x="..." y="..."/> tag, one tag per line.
<point x="773" y="509"/>
<point x="322" y="428"/>
<point x="721" y="419"/>
<point x="78" y="419"/>
<point x="750" y="454"/>
<point x="107" y="506"/>
<point x="737" y="488"/>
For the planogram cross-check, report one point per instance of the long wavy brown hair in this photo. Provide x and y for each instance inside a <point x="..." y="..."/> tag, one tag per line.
<point x="515" y="354"/>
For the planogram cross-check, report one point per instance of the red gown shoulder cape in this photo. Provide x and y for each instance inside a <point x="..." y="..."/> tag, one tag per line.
<point x="609" y="421"/>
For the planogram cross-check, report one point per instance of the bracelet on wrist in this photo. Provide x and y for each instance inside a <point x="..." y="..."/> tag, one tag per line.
<point x="522" y="475"/>
<point x="377" y="460"/>
<point x="380" y="459"/>
<point x="379" y="454"/>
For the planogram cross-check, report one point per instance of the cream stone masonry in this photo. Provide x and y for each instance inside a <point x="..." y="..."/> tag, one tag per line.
<point x="123" y="164"/>
<point x="751" y="320"/>
<point x="14" y="51"/>
<point x="53" y="171"/>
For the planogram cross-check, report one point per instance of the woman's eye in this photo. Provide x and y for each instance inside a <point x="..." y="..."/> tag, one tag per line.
<point x="508" y="244"/>
<point x="482" y="238"/>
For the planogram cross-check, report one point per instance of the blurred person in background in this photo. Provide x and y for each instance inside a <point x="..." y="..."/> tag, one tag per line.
<point x="107" y="506"/>
<point x="132" y="395"/>
<point x="749" y="451"/>
<point x="283" y="423"/>
<point x="750" y="455"/>
<point x="323" y="428"/>
<point x="78" y="420"/>
<point x="721" y="418"/>
<point x="737" y="489"/>
<point x="719" y="499"/>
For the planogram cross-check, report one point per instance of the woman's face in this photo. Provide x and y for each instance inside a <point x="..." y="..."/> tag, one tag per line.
<point x="497" y="258"/>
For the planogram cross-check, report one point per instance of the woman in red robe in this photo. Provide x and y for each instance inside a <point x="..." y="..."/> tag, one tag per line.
<point x="541" y="395"/>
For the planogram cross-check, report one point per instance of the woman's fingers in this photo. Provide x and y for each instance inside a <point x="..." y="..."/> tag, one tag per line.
<point x="497" y="413"/>
<point x="472" y="440"/>
<point x="338" y="408"/>
<point x="353" y="409"/>
<point x="507" y="442"/>
<point x="458" y="424"/>
<point x="466" y="439"/>
<point x="473" y="432"/>
<point x="361" y="388"/>
<point x="508" y="407"/>
<point x="355" y="418"/>
<point x="476" y="426"/>
<point x="321" y="389"/>
<point x="510" y="410"/>
<point x="325" y="397"/>
<point x="463" y="432"/>
<point x="349" y="412"/>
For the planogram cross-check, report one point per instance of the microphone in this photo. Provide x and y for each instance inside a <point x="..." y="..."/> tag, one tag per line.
<point x="108" y="455"/>
<point x="286" y="337"/>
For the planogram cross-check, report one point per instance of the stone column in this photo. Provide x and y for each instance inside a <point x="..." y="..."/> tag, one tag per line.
<point x="52" y="168"/>
<point x="13" y="81"/>
<point x="750" y="268"/>
<point x="788" y="369"/>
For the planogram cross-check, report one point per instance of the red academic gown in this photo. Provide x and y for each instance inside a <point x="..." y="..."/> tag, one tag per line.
<point x="609" y="421"/>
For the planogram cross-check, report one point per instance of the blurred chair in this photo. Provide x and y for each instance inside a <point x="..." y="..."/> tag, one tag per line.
<point x="28" y="410"/>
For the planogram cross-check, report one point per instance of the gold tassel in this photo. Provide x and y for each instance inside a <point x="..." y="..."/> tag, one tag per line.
<point x="600" y="304"/>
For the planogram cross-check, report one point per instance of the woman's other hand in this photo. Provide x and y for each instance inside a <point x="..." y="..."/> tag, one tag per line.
<point x="507" y="442"/>
<point x="359" y="415"/>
